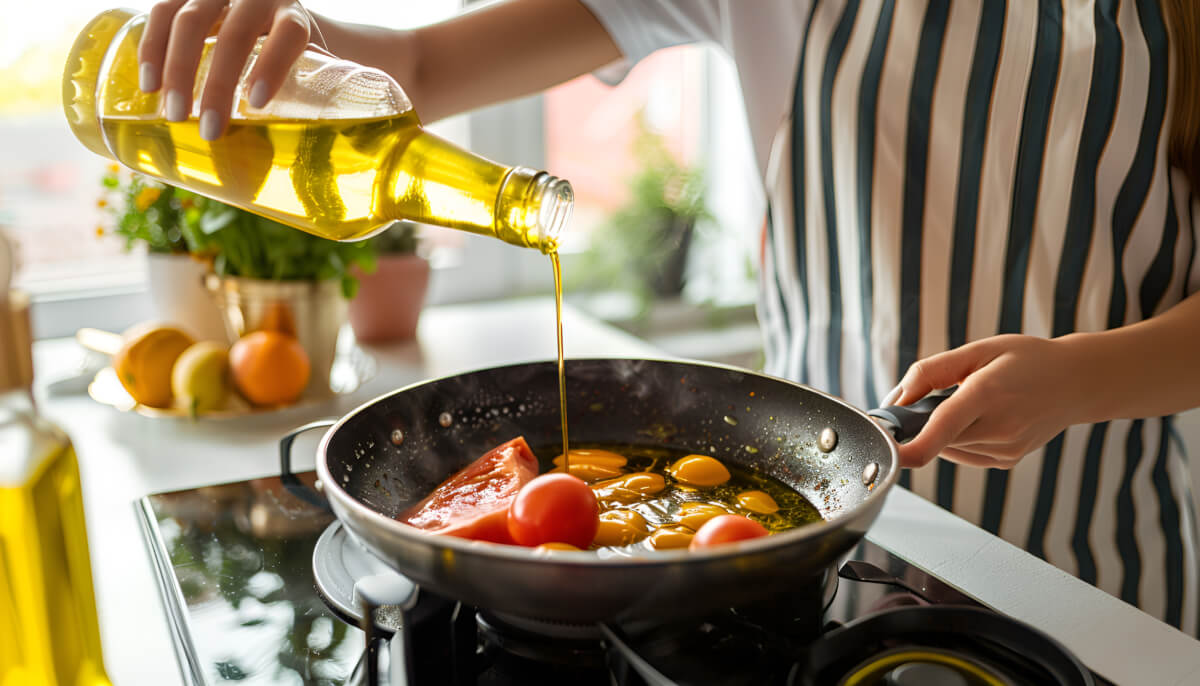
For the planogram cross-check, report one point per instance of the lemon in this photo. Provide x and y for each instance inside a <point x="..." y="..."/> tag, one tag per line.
<point x="200" y="378"/>
<point x="145" y="360"/>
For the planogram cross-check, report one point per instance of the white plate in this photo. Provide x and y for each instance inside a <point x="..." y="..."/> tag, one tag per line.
<point x="351" y="369"/>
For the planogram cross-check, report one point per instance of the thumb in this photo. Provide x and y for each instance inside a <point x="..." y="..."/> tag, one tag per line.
<point x="942" y="370"/>
<point x="946" y="424"/>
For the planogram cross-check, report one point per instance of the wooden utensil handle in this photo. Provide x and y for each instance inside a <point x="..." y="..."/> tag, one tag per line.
<point x="100" y="341"/>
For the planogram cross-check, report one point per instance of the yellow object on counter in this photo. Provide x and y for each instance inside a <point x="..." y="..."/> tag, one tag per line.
<point x="145" y="360"/>
<point x="49" y="633"/>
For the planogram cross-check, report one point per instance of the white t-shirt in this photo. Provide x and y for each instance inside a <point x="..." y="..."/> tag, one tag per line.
<point x="950" y="170"/>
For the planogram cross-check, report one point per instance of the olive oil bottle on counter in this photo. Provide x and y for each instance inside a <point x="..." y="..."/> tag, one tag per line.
<point x="339" y="152"/>
<point x="49" y="634"/>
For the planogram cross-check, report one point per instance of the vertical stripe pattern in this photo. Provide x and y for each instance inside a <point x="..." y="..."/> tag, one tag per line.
<point x="957" y="170"/>
<point x="977" y="106"/>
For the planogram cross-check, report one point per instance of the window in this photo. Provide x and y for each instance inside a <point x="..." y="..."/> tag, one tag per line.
<point x="688" y="96"/>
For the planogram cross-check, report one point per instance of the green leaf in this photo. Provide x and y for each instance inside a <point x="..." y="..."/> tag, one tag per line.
<point x="217" y="219"/>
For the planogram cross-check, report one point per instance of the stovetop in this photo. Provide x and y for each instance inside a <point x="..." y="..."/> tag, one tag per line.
<point x="235" y="570"/>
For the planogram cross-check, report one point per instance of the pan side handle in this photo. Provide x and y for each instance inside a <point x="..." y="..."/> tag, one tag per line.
<point x="294" y="485"/>
<point x="906" y="421"/>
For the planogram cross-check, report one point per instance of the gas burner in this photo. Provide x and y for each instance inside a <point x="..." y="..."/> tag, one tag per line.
<point x="549" y="642"/>
<point x="339" y="561"/>
<point x="540" y="628"/>
<point x="942" y="645"/>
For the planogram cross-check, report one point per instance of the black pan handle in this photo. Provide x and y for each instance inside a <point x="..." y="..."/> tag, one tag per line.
<point x="294" y="485"/>
<point x="906" y="421"/>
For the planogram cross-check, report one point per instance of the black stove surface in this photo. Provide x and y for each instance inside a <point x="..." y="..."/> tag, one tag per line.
<point x="235" y="568"/>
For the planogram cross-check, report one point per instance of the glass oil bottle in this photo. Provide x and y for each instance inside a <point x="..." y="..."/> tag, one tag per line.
<point x="49" y="634"/>
<point x="339" y="152"/>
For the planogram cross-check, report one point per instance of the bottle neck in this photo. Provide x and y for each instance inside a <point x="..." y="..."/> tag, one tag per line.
<point x="532" y="208"/>
<point x="433" y="181"/>
<point x="14" y="401"/>
<point x="21" y="444"/>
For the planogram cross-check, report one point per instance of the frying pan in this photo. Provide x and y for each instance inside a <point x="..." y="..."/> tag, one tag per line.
<point x="394" y="450"/>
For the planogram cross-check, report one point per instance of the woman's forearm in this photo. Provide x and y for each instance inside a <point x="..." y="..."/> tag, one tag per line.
<point x="1147" y="369"/>
<point x="498" y="52"/>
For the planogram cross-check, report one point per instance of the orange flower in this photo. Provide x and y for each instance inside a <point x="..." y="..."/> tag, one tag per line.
<point x="146" y="197"/>
<point x="101" y="202"/>
<point x="99" y="232"/>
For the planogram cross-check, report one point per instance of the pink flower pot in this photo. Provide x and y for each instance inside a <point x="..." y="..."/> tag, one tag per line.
<point x="389" y="301"/>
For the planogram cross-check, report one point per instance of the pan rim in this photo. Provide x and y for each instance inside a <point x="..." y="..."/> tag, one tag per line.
<point x="340" y="498"/>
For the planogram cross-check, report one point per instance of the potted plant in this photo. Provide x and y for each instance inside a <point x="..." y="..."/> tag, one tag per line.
<point x="254" y="272"/>
<point x="265" y="275"/>
<point x="642" y="247"/>
<point x="148" y="214"/>
<point x="389" y="300"/>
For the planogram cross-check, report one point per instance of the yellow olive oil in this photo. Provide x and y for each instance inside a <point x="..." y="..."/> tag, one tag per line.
<point x="339" y="152"/>
<point x="342" y="179"/>
<point x="562" y="377"/>
<point x="49" y="634"/>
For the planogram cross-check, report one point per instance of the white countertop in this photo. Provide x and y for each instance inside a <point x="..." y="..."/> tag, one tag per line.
<point x="124" y="456"/>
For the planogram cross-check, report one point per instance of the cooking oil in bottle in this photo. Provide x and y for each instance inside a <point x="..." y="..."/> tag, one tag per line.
<point x="48" y="618"/>
<point x="49" y="634"/>
<point x="339" y="152"/>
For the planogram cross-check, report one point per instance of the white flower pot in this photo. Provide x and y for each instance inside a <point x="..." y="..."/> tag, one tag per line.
<point x="178" y="296"/>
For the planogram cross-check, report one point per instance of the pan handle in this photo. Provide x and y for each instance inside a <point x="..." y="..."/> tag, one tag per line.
<point x="294" y="485"/>
<point x="906" y="421"/>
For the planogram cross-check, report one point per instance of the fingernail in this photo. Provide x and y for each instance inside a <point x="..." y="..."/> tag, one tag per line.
<point x="210" y="125"/>
<point x="892" y="396"/>
<point x="258" y="95"/>
<point x="148" y="77"/>
<point x="176" y="110"/>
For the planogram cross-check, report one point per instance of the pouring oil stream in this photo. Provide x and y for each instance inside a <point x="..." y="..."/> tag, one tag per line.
<point x="562" y="378"/>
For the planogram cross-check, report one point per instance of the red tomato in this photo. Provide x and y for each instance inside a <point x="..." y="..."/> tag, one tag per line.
<point x="554" y="508"/>
<point x="473" y="503"/>
<point x="726" y="529"/>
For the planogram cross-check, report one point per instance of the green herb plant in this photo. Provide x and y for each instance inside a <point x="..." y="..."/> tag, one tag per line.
<point x="144" y="212"/>
<point x="235" y="242"/>
<point x="642" y="246"/>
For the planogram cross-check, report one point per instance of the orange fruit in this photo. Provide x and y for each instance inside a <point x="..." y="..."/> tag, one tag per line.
<point x="269" y="367"/>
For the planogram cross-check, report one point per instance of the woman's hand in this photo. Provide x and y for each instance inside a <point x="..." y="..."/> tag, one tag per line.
<point x="171" y="46"/>
<point x="1014" y="394"/>
<point x="531" y="45"/>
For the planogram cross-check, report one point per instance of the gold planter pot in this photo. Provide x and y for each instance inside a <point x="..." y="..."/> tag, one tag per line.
<point x="313" y="311"/>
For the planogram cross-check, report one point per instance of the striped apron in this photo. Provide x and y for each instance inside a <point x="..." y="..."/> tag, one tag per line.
<point x="956" y="170"/>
